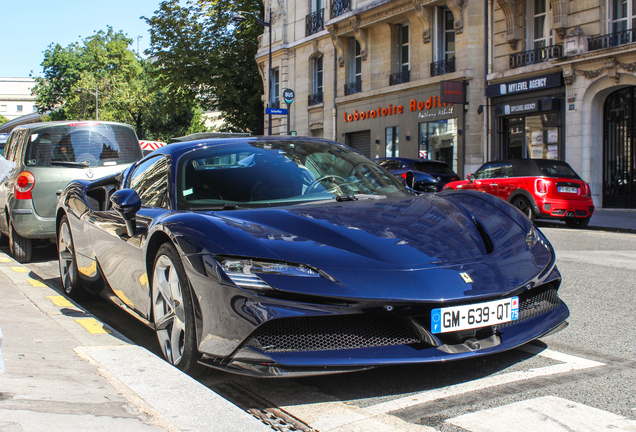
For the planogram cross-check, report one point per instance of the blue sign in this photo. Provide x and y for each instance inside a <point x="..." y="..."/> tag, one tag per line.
<point x="282" y="111"/>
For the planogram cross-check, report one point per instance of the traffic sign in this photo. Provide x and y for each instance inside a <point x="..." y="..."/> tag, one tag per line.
<point x="288" y="95"/>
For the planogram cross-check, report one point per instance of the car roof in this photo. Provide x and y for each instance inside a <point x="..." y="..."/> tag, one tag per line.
<point x="529" y="167"/>
<point x="45" y="125"/>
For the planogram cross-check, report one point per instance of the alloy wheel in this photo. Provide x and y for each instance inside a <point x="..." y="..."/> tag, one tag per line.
<point x="66" y="255"/>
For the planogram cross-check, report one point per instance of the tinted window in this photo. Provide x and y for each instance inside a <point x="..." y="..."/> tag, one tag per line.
<point x="433" y="168"/>
<point x="150" y="180"/>
<point x="264" y="173"/>
<point x="493" y="170"/>
<point x="391" y="165"/>
<point x="557" y="170"/>
<point x="99" y="144"/>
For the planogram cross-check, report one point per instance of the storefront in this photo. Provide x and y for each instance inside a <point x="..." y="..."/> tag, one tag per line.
<point x="408" y="124"/>
<point x="529" y="118"/>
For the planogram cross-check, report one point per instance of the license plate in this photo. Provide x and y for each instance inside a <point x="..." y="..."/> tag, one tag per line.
<point x="568" y="189"/>
<point x="475" y="315"/>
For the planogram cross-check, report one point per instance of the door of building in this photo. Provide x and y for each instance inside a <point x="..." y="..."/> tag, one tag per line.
<point x="360" y="141"/>
<point x="619" y="145"/>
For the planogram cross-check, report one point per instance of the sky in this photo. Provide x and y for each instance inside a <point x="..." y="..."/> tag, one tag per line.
<point x="27" y="28"/>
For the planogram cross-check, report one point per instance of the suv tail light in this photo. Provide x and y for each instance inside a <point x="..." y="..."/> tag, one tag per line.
<point x="588" y="190"/>
<point x="541" y="186"/>
<point x="24" y="185"/>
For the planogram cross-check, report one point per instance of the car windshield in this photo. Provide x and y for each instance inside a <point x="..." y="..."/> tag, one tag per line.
<point x="265" y="173"/>
<point x="433" y="168"/>
<point x="82" y="144"/>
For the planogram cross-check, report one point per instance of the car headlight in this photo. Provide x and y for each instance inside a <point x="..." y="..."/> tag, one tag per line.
<point x="244" y="271"/>
<point x="532" y="237"/>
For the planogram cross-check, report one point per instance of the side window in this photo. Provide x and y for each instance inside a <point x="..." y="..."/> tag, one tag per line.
<point x="11" y="151"/>
<point x="483" y="172"/>
<point x="150" y="181"/>
<point x="490" y="171"/>
<point x="507" y="171"/>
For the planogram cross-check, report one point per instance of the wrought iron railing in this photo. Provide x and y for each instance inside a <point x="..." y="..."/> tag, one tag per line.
<point x="315" y="99"/>
<point x="400" y="77"/>
<point x="535" y="56"/>
<point x="314" y="22"/>
<point x="611" y="40"/>
<point x="354" y="87"/>
<point x="338" y="7"/>
<point x="443" y="67"/>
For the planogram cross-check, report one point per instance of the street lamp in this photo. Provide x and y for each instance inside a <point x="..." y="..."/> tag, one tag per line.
<point x="96" y="94"/>
<point x="239" y="18"/>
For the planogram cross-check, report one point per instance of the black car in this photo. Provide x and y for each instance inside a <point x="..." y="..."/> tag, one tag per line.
<point x="438" y="169"/>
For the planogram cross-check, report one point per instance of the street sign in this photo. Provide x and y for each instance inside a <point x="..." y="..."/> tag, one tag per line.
<point x="293" y="133"/>
<point x="282" y="111"/>
<point x="288" y="95"/>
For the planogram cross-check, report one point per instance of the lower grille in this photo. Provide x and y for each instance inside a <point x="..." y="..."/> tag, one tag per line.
<point x="331" y="333"/>
<point x="532" y="304"/>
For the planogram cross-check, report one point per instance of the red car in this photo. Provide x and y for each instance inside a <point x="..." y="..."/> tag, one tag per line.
<point x="540" y="188"/>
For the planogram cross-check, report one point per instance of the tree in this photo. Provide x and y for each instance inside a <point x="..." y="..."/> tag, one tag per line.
<point x="126" y="88"/>
<point x="3" y="119"/>
<point x="201" y="54"/>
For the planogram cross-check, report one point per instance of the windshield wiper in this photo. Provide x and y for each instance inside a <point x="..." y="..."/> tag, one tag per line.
<point x="69" y="163"/>
<point x="357" y="197"/>
<point x="341" y="198"/>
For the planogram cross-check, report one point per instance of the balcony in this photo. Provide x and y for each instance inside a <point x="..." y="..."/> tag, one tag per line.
<point x="611" y="40"/>
<point x="400" y="78"/>
<point x="539" y="55"/>
<point x="315" y="99"/>
<point x="314" y="22"/>
<point x="443" y="67"/>
<point x="352" y="88"/>
<point x="338" y="7"/>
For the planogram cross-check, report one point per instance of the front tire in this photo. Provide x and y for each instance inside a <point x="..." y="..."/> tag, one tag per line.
<point x="21" y="248"/>
<point x="523" y="204"/>
<point x="172" y="311"/>
<point x="68" y="264"/>
<point x="579" y="223"/>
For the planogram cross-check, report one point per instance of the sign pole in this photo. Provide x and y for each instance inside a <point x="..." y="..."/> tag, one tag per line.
<point x="288" y="96"/>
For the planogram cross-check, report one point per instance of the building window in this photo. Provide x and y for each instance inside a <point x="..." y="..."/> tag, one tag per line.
<point x="273" y="96"/>
<point x="622" y="15"/>
<point x="392" y="141"/>
<point x="314" y="22"/>
<point x="438" y="141"/>
<point x="35" y="108"/>
<point x="3" y="108"/>
<point x="317" y="76"/>
<point x="541" y="34"/>
<point x="445" y="52"/>
<point x="18" y="108"/>
<point x="403" y="49"/>
<point x="355" y="68"/>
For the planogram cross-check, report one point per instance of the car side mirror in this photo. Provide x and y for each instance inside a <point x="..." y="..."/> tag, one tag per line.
<point x="127" y="203"/>
<point x="410" y="179"/>
<point x="471" y="177"/>
<point x="422" y="182"/>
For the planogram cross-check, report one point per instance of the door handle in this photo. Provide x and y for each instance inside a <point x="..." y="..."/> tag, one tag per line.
<point x="494" y="184"/>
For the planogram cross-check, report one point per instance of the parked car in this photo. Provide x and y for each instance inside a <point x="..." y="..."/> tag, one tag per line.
<point x="437" y="169"/>
<point x="284" y="256"/>
<point x="48" y="156"/>
<point x="3" y="141"/>
<point x="540" y="188"/>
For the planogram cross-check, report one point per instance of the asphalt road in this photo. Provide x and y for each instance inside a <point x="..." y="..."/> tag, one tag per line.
<point x="582" y="378"/>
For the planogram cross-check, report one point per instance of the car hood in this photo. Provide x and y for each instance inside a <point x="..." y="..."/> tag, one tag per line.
<point x="418" y="240"/>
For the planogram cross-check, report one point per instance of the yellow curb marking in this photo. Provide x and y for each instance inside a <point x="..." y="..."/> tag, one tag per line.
<point x="20" y="269"/>
<point x="92" y="325"/>
<point x="5" y="259"/>
<point x="61" y="301"/>
<point x="36" y="283"/>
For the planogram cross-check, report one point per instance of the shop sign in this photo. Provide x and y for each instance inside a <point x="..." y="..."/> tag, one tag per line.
<point x="454" y="92"/>
<point x="525" y="85"/>
<point x="434" y="106"/>
<point x="526" y="106"/>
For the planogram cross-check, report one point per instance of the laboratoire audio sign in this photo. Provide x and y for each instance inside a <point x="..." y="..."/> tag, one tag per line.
<point x="525" y="85"/>
<point x="431" y="108"/>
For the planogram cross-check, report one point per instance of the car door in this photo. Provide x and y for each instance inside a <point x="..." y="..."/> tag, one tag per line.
<point x="506" y="182"/>
<point x="121" y="256"/>
<point x="13" y="153"/>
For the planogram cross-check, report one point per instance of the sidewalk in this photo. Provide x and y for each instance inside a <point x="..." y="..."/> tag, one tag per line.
<point x="66" y="371"/>
<point x="606" y="220"/>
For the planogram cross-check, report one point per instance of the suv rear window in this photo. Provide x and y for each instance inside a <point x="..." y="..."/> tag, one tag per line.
<point x="433" y="168"/>
<point x="97" y="144"/>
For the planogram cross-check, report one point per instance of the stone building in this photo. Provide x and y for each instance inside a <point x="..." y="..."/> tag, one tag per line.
<point x="15" y="97"/>
<point x="562" y="86"/>
<point x="369" y="74"/>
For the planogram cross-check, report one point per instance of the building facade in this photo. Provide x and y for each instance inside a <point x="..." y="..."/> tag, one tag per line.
<point x="15" y="97"/>
<point x="560" y="81"/>
<point x="369" y="74"/>
<point x="562" y="86"/>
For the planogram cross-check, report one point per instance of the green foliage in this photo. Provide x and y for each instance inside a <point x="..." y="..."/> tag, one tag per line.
<point x="126" y="88"/>
<point x="3" y="119"/>
<point x="200" y="54"/>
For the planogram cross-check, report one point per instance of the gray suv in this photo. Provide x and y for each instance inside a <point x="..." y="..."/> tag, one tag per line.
<point x="48" y="156"/>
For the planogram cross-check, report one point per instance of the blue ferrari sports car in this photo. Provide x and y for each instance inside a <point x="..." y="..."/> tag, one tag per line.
<point x="286" y="256"/>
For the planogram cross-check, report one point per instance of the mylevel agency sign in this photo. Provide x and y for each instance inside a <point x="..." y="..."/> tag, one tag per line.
<point x="525" y="85"/>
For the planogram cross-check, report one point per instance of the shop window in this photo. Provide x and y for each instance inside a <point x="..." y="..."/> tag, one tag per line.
<point x="392" y="141"/>
<point x="438" y="141"/>
<point x="274" y="100"/>
<point x="532" y="137"/>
